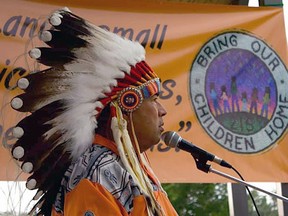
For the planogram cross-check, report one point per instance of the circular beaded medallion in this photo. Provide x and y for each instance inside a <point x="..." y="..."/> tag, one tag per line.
<point x="130" y="99"/>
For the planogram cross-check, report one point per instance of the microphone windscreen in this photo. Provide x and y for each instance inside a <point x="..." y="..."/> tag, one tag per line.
<point x="170" y="138"/>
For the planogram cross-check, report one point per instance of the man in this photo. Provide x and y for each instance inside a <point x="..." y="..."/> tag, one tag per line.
<point x="94" y="112"/>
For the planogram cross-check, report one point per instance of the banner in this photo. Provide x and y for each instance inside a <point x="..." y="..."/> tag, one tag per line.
<point x="224" y="79"/>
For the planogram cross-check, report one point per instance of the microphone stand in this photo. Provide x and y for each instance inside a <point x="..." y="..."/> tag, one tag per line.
<point x="203" y="166"/>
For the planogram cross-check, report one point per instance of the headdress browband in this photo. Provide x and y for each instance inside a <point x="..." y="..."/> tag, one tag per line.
<point x="131" y="98"/>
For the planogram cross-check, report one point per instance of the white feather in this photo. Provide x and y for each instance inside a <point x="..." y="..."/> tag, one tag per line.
<point x="106" y="58"/>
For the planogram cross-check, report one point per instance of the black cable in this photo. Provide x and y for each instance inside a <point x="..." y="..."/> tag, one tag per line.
<point x="247" y="188"/>
<point x="203" y="166"/>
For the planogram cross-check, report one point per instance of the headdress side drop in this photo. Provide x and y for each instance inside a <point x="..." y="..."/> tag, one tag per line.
<point x="87" y="68"/>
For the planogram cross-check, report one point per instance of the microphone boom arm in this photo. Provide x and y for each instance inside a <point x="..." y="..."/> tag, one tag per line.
<point x="201" y="163"/>
<point x="285" y="199"/>
<point x="203" y="166"/>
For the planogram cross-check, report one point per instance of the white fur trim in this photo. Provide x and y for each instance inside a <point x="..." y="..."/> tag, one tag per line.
<point x="23" y="83"/>
<point x="35" y="53"/>
<point x="27" y="167"/>
<point x="55" y="20"/>
<point x="46" y="36"/>
<point x="31" y="184"/>
<point x="18" y="152"/>
<point x="17" y="132"/>
<point x="66" y="9"/>
<point x="16" y="103"/>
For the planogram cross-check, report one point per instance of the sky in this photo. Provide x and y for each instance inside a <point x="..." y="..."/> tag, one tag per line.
<point x="12" y="190"/>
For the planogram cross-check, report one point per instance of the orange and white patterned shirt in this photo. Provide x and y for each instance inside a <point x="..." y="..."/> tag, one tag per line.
<point x="98" y="184"/>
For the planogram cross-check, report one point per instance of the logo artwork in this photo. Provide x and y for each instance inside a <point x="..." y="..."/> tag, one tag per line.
<point x="238" y="87"/>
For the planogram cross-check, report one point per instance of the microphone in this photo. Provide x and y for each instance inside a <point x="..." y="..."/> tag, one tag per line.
<point x="173" y="140"/>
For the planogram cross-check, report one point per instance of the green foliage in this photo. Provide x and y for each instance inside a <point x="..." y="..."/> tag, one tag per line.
<point x="212" y="200"/>
<point x="198" y="199"/>
<point x="265" y="207"/>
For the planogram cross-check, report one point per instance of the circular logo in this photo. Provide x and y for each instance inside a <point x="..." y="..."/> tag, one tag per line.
<point x="130" y="99"/>
<point x="238" y="87"/>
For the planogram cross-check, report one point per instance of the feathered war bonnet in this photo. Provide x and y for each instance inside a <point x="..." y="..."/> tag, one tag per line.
<point x="87" y="69"/>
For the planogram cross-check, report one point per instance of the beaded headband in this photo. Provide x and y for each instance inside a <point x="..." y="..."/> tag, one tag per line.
<point x="131" y="98"/>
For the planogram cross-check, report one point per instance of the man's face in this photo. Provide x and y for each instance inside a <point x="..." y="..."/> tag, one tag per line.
<point x="148" y="122"/>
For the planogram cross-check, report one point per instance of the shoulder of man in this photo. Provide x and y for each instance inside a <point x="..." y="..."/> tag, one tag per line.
<point x="101" y="165"/>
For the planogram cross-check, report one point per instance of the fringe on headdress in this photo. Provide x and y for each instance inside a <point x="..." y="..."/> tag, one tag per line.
<point x="133" y="160"/>
<point x="86" y="69"/>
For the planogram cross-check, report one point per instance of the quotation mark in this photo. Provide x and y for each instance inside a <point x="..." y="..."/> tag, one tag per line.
<point x="183" y="124"/>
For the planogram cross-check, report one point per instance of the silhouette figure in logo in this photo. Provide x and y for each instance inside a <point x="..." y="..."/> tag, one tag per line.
<point x="266" y="100"/>
<point x="214" y="98"/>
<point x="244" y="101"/>
<point x="224" y="97"/>
<point x="254" y="100"/>
<point x="234" y="94"/>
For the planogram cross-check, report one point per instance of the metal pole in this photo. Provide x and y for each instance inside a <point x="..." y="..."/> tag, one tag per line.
<point x="285" y="199"/>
